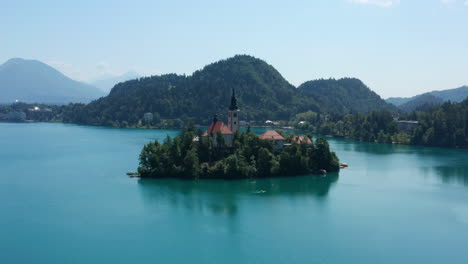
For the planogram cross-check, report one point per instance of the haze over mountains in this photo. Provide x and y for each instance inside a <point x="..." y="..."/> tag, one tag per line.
<point x="434" y="98"/>
<point x="106" y="83"/>
<point x="34" y="81"/>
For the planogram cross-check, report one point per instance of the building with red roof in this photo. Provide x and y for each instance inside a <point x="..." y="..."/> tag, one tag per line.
<point x="271" y="134"/>
<point x="226" y="130"/>
<point x="215" y="127"/>
<point x="278" y="140"/>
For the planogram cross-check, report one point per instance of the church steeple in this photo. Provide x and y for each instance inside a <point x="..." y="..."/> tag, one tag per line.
<point x="233" y="105"/>
<point x="233" y="114"/>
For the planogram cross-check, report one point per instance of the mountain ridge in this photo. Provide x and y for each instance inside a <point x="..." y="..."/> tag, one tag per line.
<point x="436" y="97"/>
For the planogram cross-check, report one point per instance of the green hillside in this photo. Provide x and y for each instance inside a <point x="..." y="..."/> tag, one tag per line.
<point x="347" y="95"/>
<point x="261" y="90"/>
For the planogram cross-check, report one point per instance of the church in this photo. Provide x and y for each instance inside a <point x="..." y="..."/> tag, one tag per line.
<point x="228" y="130"/>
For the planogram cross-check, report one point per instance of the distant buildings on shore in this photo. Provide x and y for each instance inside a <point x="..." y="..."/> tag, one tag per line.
<point x="13" y="116"/>
<point x="19" y="114"/>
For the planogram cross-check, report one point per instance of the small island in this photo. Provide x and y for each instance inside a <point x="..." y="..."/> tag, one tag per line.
<point x="224" y="152"/>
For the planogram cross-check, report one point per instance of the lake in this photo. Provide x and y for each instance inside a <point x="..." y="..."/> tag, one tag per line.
<point x="65" y="198"/>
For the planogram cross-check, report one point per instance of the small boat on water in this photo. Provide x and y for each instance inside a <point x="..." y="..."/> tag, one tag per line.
<point x="133" y="174"/>
<point x="343" y="165"/>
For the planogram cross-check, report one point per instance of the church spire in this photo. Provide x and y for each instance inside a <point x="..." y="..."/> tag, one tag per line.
<point x="233" y="105"/>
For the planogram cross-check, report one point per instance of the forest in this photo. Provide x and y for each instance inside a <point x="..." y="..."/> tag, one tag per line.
<point x="263" y="94"/>
<point x="443" y="126"/>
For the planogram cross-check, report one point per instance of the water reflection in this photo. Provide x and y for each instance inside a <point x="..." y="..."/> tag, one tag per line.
<point x="222" y="197"/>
<point x="368" y="147"/>
<point x="449" y="174"/>
<point x="448" y="165"/>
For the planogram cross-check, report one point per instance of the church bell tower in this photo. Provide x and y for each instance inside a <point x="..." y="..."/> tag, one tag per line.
<point x="233" y="114"/>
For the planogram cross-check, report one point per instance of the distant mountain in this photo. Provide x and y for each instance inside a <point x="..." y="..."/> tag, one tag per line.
<point x="397" y="101"/>
<point x="34" y="81"/>
<point x="423" y="100"/>
<point x="432" y="98"/>
<point x="454" y="95"/>
<point x="106" y="83"/>
<point x="347" y="95"/>
<point x="261" y="90"/>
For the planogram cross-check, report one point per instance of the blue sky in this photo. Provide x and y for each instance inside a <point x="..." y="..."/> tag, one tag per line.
<point x="398" y="48"/>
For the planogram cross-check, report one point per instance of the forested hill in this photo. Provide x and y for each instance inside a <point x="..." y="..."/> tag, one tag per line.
<point x="347" y="95"/>
<point x="261" y="90"/>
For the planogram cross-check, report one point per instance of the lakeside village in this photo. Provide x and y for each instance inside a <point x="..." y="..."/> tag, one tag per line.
<point x="21" y="112"/>
<point x="223" y="151"/>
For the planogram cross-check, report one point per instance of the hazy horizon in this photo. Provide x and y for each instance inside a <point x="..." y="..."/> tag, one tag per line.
<point x="398" y="48"/>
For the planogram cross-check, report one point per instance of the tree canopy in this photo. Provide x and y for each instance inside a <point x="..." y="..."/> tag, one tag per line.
<point x="249" y="156"/>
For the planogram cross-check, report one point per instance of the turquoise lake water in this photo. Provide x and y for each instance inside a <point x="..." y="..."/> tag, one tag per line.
<point x="65" y="198"/>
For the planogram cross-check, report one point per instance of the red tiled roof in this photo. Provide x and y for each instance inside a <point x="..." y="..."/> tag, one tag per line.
<point x="271" y="134"/>
<point x="218" y="126"/>
<point x="302" y="140"/>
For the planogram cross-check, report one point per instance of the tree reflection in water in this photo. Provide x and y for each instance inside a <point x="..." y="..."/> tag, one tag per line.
<point x="222" y="197"/>
<point x="449" y="174"/>
<point x="447" y="164"/>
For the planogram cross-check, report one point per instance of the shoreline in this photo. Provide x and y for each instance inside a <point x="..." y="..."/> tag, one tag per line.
<point x="266" y="127"/>
<point x="328" y="174"/>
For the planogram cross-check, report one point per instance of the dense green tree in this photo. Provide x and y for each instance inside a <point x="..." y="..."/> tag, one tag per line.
<point x="444" y="126"/>
<point x="249" y="156"/>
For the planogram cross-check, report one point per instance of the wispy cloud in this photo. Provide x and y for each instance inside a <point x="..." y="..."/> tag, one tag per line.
<point x="390" y="3"/>
<point x="379" y="3"/>
<point x="446" y="2"/>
